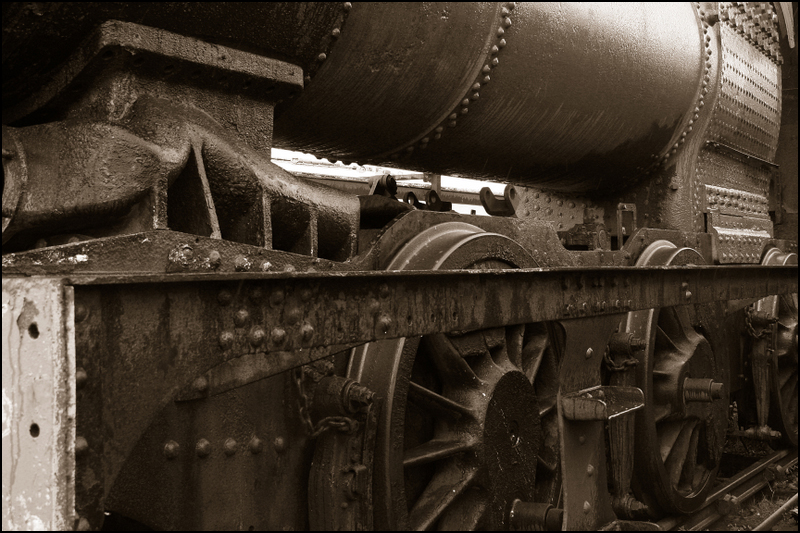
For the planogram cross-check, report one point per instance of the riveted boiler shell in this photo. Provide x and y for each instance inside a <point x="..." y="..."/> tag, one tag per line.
<point x="575" y="96"/>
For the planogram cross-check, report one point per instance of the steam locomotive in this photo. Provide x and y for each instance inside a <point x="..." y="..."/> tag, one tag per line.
<point x="196" y="338"/>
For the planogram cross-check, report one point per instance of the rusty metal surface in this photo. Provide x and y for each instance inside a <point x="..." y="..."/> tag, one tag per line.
<point x="40" y="37"/>
<point x="39" y="441"/>
<point x="484" y="100"/>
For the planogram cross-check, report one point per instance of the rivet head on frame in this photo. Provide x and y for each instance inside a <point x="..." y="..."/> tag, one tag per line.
<point x="256" y="335"/>
<point x="203" y="448"/>
<point x="279" y="444"/>
<point x="229" y="447"/>
<point x="81" y="446"/>
<point x="255" y="445"/>
<point x="241" y="317"/>
<point x="307" y="332"/>
<point x="278" y="335"/>
<point x="200" y="384"/>
<point x="226" y="339"/>
<point x="171" y="449"/>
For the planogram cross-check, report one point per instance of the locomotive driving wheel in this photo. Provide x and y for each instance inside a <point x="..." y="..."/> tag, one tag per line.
<point x="680" y="432"/>
<point x="468" y="422"/>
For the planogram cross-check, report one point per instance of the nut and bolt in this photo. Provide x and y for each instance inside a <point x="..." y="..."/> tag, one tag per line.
<point x="358" y="397"/>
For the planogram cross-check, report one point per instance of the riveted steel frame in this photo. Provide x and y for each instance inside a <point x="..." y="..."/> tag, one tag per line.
<point x="143" y="339"/>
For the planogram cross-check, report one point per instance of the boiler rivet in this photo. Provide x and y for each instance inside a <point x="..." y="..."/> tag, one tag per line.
<point x="582" y="439"/>
<point x="336" y="32"/>
<point x="256" y="336"/>
<point x="587" y="507"/>
<point x="214" y="259"/>
<point x="80" y="313"/>
<point x="322" y="57"/>
<point x="226" y="340"/>
<point x="306" y="332"/>
<point x="279" y="444"/>
<point x="278" y="335"/>
<point x="590" y="470"/>
<point x="589" y="353"/>
<point x="240" y="318"/>
<point x="502" y="43"/>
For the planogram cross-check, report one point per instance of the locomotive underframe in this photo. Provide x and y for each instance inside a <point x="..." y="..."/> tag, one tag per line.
<point x="140" y="340"/>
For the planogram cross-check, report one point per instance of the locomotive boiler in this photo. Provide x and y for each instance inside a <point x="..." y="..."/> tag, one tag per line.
<point x="196" y="338"/>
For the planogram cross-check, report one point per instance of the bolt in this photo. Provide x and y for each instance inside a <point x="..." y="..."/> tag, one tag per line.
<point x="278" y="335"/>
<point x="279" y="444"/>
<point x="240" y="318"/>
<point x="358" y="397"/>
<point x="589" y="353"/>
<point x="171" y="449"/>
<point x="80" y="378"/>
<point x="81" y="446"/>
<point x="226" y="340"/>
<point x="306" y="332"/>
<point x="229" y="447"/>
<point x="200" y="384"/>
<point x="256" y="336"/>
<point x="214" y="259"/>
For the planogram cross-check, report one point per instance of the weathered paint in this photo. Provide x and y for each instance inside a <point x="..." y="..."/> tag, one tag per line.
<point x="38" y="404"/>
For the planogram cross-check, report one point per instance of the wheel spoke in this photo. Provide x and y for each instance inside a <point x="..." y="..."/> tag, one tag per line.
<point x="515" y="335"/>
<point x="465" y="513"/>
<point x="690" y="465"/>
<point x="438" y="404"/>
<point x="665" y="342"/>
<point x="667" y="435"/>
<point x="449" y="482"/>
<point x="546" y="405"/>
<point x="434" y="450"/>
<point x="451" y="366"/>
<point x="679" y="453"/>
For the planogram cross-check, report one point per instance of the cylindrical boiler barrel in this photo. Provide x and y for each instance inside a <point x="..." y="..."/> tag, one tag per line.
<point x="570" y="96"/>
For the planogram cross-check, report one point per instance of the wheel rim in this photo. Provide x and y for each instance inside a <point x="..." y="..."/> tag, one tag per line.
<point x="681" y="430"/>
<point x="461" y="425"/>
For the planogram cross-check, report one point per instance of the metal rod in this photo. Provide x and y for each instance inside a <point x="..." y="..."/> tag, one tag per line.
<point x="775" y="517"/>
